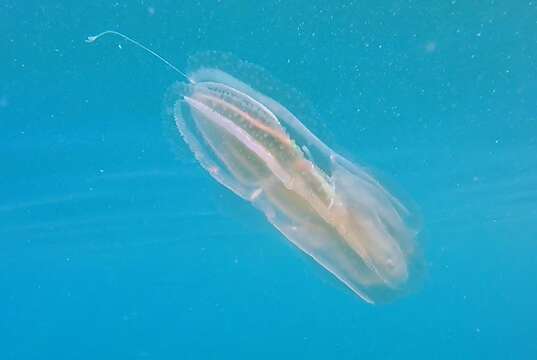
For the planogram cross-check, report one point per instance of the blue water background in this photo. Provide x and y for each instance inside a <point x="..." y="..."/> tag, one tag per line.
<point x="116" y="244"/>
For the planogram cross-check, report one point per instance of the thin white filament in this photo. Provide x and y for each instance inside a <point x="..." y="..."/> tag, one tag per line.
<point x="94" y="38"/>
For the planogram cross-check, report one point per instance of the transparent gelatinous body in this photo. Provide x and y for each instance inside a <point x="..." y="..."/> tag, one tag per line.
<point x="338" y="214"/>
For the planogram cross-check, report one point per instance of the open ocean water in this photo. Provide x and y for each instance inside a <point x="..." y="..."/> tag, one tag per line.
<point x="116" y="244"/>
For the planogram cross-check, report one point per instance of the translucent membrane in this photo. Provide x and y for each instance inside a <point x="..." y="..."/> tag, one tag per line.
<point x="338" y="214"/>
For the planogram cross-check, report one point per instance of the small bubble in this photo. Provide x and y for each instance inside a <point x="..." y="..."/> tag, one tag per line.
<point x="430" y="46"/>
